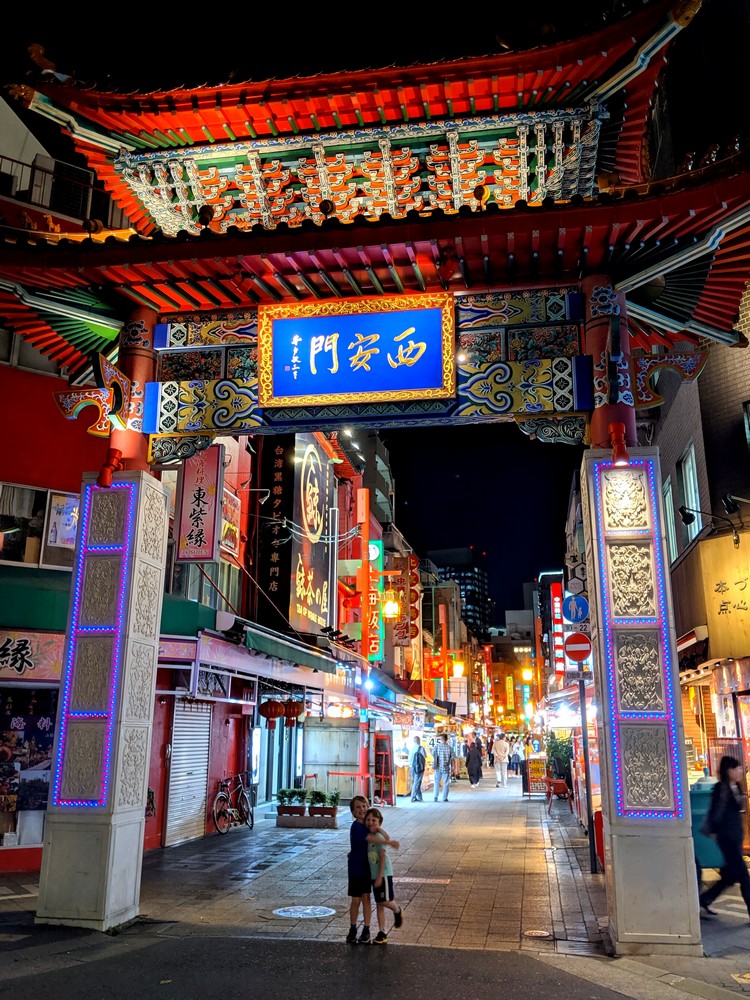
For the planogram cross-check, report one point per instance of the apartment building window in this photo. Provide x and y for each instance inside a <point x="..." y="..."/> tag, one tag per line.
<point x="37" y="526"/>
<point x="208" y="583"/>
<point x="688" y="475"/>
<point x="669" y="519"/>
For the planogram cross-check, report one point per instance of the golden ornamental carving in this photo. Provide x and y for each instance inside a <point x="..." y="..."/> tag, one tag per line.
<point x="92" y="672"/>
<point x="84" y="760"/>
<point x="133" y="767"/>
<point x="647" y="770"/>
<point x="100" y="591"/>
<point x="140" y="671"/>
<point x="684" y="11"/>
<point x="624" y="499"/>
<point x="108" y="517"/>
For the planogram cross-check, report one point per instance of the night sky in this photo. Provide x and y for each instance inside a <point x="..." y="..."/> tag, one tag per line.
<point x="486" y="486"/>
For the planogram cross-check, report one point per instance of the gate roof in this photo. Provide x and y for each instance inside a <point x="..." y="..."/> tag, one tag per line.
<point x="507" y="170"/>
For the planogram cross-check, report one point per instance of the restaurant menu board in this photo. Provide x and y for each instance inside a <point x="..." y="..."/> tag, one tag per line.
<point x="536" y="769"/>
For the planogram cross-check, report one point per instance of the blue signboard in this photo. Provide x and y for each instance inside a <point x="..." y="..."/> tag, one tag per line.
<point x="363" y="350"/>
<point x="575" y="608"/>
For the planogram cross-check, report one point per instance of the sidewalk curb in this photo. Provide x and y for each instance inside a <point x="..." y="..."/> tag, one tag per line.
<point x="635" y="979"/>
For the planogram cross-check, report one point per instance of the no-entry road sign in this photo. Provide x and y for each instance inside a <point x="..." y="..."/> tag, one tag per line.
<point x="577" y="647"/>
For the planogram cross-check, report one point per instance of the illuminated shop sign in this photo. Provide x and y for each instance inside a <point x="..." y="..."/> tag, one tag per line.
<point x="199" y="492"/>
<point x="377" y="625"/>
<point x="558" y="639"/>
<point x="314" y="494"/>
<point x="396" y="347"/>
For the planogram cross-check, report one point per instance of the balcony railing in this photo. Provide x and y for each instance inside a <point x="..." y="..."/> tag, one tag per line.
<point x="56" y="187"/>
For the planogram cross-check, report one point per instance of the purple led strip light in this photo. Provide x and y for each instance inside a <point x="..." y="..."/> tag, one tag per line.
<point x="76" y="630"/>
<point x="615" y="717"/>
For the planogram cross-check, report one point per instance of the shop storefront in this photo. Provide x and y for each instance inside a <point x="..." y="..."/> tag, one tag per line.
<point x="562" y="717"/>
<point x="30" y="668"/>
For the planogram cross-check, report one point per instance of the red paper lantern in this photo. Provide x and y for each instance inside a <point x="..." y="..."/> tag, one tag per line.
<point x="292" y="710"/>
<point x="271" y="711"/>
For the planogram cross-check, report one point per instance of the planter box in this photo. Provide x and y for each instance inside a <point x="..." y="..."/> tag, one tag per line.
<point x="322" y="810"/>
<point x="290" y="810"/>
<point x="308" y="822"/>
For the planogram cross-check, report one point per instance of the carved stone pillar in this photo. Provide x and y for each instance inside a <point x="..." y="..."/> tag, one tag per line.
<point x="93" y="841"/>
<point x="652" y="895"/>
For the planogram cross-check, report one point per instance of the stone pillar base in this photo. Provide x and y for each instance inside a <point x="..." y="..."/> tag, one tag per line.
<point x="91" y="871"/>
<point x="652" y="892"/>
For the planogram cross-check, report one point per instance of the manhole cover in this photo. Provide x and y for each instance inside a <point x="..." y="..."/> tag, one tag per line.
<point x="539" y="934"/>
<point x="304" y="912"/>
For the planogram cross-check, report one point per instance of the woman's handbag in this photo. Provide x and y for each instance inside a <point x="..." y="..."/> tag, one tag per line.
<point x="707" y="827"/>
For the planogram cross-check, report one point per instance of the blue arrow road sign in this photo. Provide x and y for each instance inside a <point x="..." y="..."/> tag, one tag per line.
<point x="575" y="608"/>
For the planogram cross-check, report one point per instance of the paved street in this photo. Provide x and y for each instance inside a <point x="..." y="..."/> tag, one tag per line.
<point x="488" y="874"/>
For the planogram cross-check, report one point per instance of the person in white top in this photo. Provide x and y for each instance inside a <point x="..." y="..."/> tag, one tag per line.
<point x="501" y="751"/>
<point x="519" y="756"/>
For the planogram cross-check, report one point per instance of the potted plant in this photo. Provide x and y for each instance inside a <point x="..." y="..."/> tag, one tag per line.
<point x="291" y="801"/>
<point x="559" y="755"/>
<point x="322" y="803"/>
<point x="317" y="803"/>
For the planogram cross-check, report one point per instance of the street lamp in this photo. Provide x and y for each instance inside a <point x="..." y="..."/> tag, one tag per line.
<point x="390" y="602"/>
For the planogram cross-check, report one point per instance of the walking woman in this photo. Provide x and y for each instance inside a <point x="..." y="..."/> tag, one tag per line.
<point x="474" y="763"/>
<point x="725" y="822"/>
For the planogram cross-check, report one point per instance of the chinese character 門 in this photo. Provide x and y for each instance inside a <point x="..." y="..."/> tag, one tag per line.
<point x="329" y="345"/>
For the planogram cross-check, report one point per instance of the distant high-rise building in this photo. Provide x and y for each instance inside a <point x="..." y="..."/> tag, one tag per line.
<point x="465" y="567"/>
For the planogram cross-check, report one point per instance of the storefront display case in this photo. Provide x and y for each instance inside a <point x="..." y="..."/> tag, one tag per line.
<point x="403" y="748"/>
<point x="578" y="773"/>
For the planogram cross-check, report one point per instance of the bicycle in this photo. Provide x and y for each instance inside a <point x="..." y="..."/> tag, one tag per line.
<point x="232" y="805"/>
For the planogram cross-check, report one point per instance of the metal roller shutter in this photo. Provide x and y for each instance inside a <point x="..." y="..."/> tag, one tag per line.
<point x="188" y="775"/>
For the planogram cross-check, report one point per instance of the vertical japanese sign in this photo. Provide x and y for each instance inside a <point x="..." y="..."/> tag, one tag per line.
<point x="375" y="648"/>
<point x="558" y="652"/>
<point x="199" y="494"/>
<point x="510" y="693"/>
<point x="314" y="492"/>
<point x="400" y="583"/>
<point x="274" y="570"/>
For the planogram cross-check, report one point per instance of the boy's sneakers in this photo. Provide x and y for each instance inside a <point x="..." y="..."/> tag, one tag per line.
<point x="398" y="917"/>
<point x="364" y="937"/>
<point x="381" y="938"/>
<point x="351" y="937"/>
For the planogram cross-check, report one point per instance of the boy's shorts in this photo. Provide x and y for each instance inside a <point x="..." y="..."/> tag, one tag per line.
<point x="384" y="892"/>
<point x="359" y="887"/>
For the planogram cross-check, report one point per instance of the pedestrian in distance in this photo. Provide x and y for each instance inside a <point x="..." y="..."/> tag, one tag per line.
<point x="381" y="872"/>
<point x="501" y="754"/>
<point x="418" y="764"/>
<point x="442" y="760"/>
<point x="725" y="822"/>
<point x="474" y="763"/>
<point x="358" y="870"/>
<point x="511" y="761"/>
